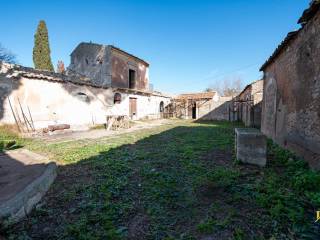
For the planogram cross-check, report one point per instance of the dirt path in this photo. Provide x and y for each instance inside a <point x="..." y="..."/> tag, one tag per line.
<point x="100" y="133"/>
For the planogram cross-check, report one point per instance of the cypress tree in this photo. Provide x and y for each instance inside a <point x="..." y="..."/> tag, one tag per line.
<point x="41" y="49"/>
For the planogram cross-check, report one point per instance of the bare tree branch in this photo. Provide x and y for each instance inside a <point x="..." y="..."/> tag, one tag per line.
<point x="228" y="87"/>
<point x="6" y="55"/>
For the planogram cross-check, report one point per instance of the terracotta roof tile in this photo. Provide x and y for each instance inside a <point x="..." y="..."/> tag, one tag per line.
<point x="193" y="96"/>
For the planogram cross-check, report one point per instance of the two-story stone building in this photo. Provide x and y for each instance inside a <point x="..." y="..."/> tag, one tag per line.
<point x="109" y="66"/>
<point x="100" y="81"/>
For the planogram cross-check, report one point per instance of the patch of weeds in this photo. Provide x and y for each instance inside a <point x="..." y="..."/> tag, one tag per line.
<point x="206" y="227"/>
<point x="305" y="180"/>
<point x="214" y="207"/>
<point x="211" y="224"/>
<point x="238" y="234"/>
<point x="98" y="126"/>
<point x="69" y="195"/>
<point x="280" y="201"/>
<point x="287" y="190"/>
<point x="93" y="226"/>
<point x="222" y="177"/>
<point x="9" y="138"/>
<point x="187" y="236"/>
<point x="40" y="211"/>
<point x="314" y="197"/>
<point x="281" y="156"/>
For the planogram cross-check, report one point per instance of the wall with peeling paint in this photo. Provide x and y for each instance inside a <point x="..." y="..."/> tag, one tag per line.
<point x="108" y="66"/>
<point x="93" y="61"/>
<point x="55" y="101"/>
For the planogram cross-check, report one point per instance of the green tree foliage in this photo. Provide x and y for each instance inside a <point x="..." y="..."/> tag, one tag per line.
<point x="41" y="49"/>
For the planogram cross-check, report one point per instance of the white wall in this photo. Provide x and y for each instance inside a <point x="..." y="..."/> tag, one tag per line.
<point x="58" y="103"/>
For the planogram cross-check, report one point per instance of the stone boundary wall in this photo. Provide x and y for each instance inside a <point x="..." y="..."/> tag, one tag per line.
<point x="291" y="99"/>
<point x="219" y="110"/>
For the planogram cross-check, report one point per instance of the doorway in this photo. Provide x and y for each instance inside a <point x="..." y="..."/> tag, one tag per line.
<point x="133" y="108"/>
<point x="194" y="110"/>
<point x="161" y="109"/>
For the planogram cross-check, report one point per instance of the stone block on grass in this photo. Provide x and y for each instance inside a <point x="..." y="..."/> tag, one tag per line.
<point x="251" y="146"/>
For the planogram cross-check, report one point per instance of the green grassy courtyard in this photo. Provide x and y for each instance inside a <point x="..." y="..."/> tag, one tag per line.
<point x="176" y="181"/>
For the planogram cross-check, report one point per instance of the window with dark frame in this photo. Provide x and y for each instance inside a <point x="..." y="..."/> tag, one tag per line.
<point x="117" y="98"/>
<point x="132" y="78"/>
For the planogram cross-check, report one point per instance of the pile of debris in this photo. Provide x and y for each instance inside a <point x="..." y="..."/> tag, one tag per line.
<point x="115" y="122"/>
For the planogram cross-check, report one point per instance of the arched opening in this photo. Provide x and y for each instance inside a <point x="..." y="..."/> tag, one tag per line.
<point x="194" y="110"/>
<point x="117" y="98"/>
<point x="82" y="96"/>
<point x="161" y="109"/>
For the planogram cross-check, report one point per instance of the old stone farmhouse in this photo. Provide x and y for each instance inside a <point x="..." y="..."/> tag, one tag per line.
<point x="101" y="81"/>
<point x="108" y="66"/>
<point x="291" y="102"/>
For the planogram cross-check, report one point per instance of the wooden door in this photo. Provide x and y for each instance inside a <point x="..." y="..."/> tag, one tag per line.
<point x="133" y="108"/>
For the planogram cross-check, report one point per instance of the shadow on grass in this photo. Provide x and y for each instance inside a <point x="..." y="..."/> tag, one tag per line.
<point x="150" y="189"/>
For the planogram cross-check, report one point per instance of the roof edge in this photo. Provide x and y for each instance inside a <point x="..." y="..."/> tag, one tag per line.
<point x="129" y="54"/>
<point x="44" y="75"/>
<point x="307" y="15"/>
<point x="112" y="47"/>
<point x="309" y="12"/>
<point x="288" y="39"/>
<point x="249" y="85"/>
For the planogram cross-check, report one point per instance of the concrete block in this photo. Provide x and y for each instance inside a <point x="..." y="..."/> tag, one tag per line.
<point x="251" y="146"/>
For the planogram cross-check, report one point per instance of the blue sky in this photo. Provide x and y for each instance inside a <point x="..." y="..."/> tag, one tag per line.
<point x="190" y="45"/>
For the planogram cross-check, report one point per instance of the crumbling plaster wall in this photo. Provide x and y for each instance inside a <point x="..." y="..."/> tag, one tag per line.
<point x="57" y="103"/>
<point x="67" y="103"/>
<point x="257" y="91"/>
<point x="92" y="61"/>
<point x="291" y="106"/>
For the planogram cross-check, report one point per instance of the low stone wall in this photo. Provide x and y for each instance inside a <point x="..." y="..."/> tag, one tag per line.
<point x="291" y="104"/>
<point x="220" y="110"/>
